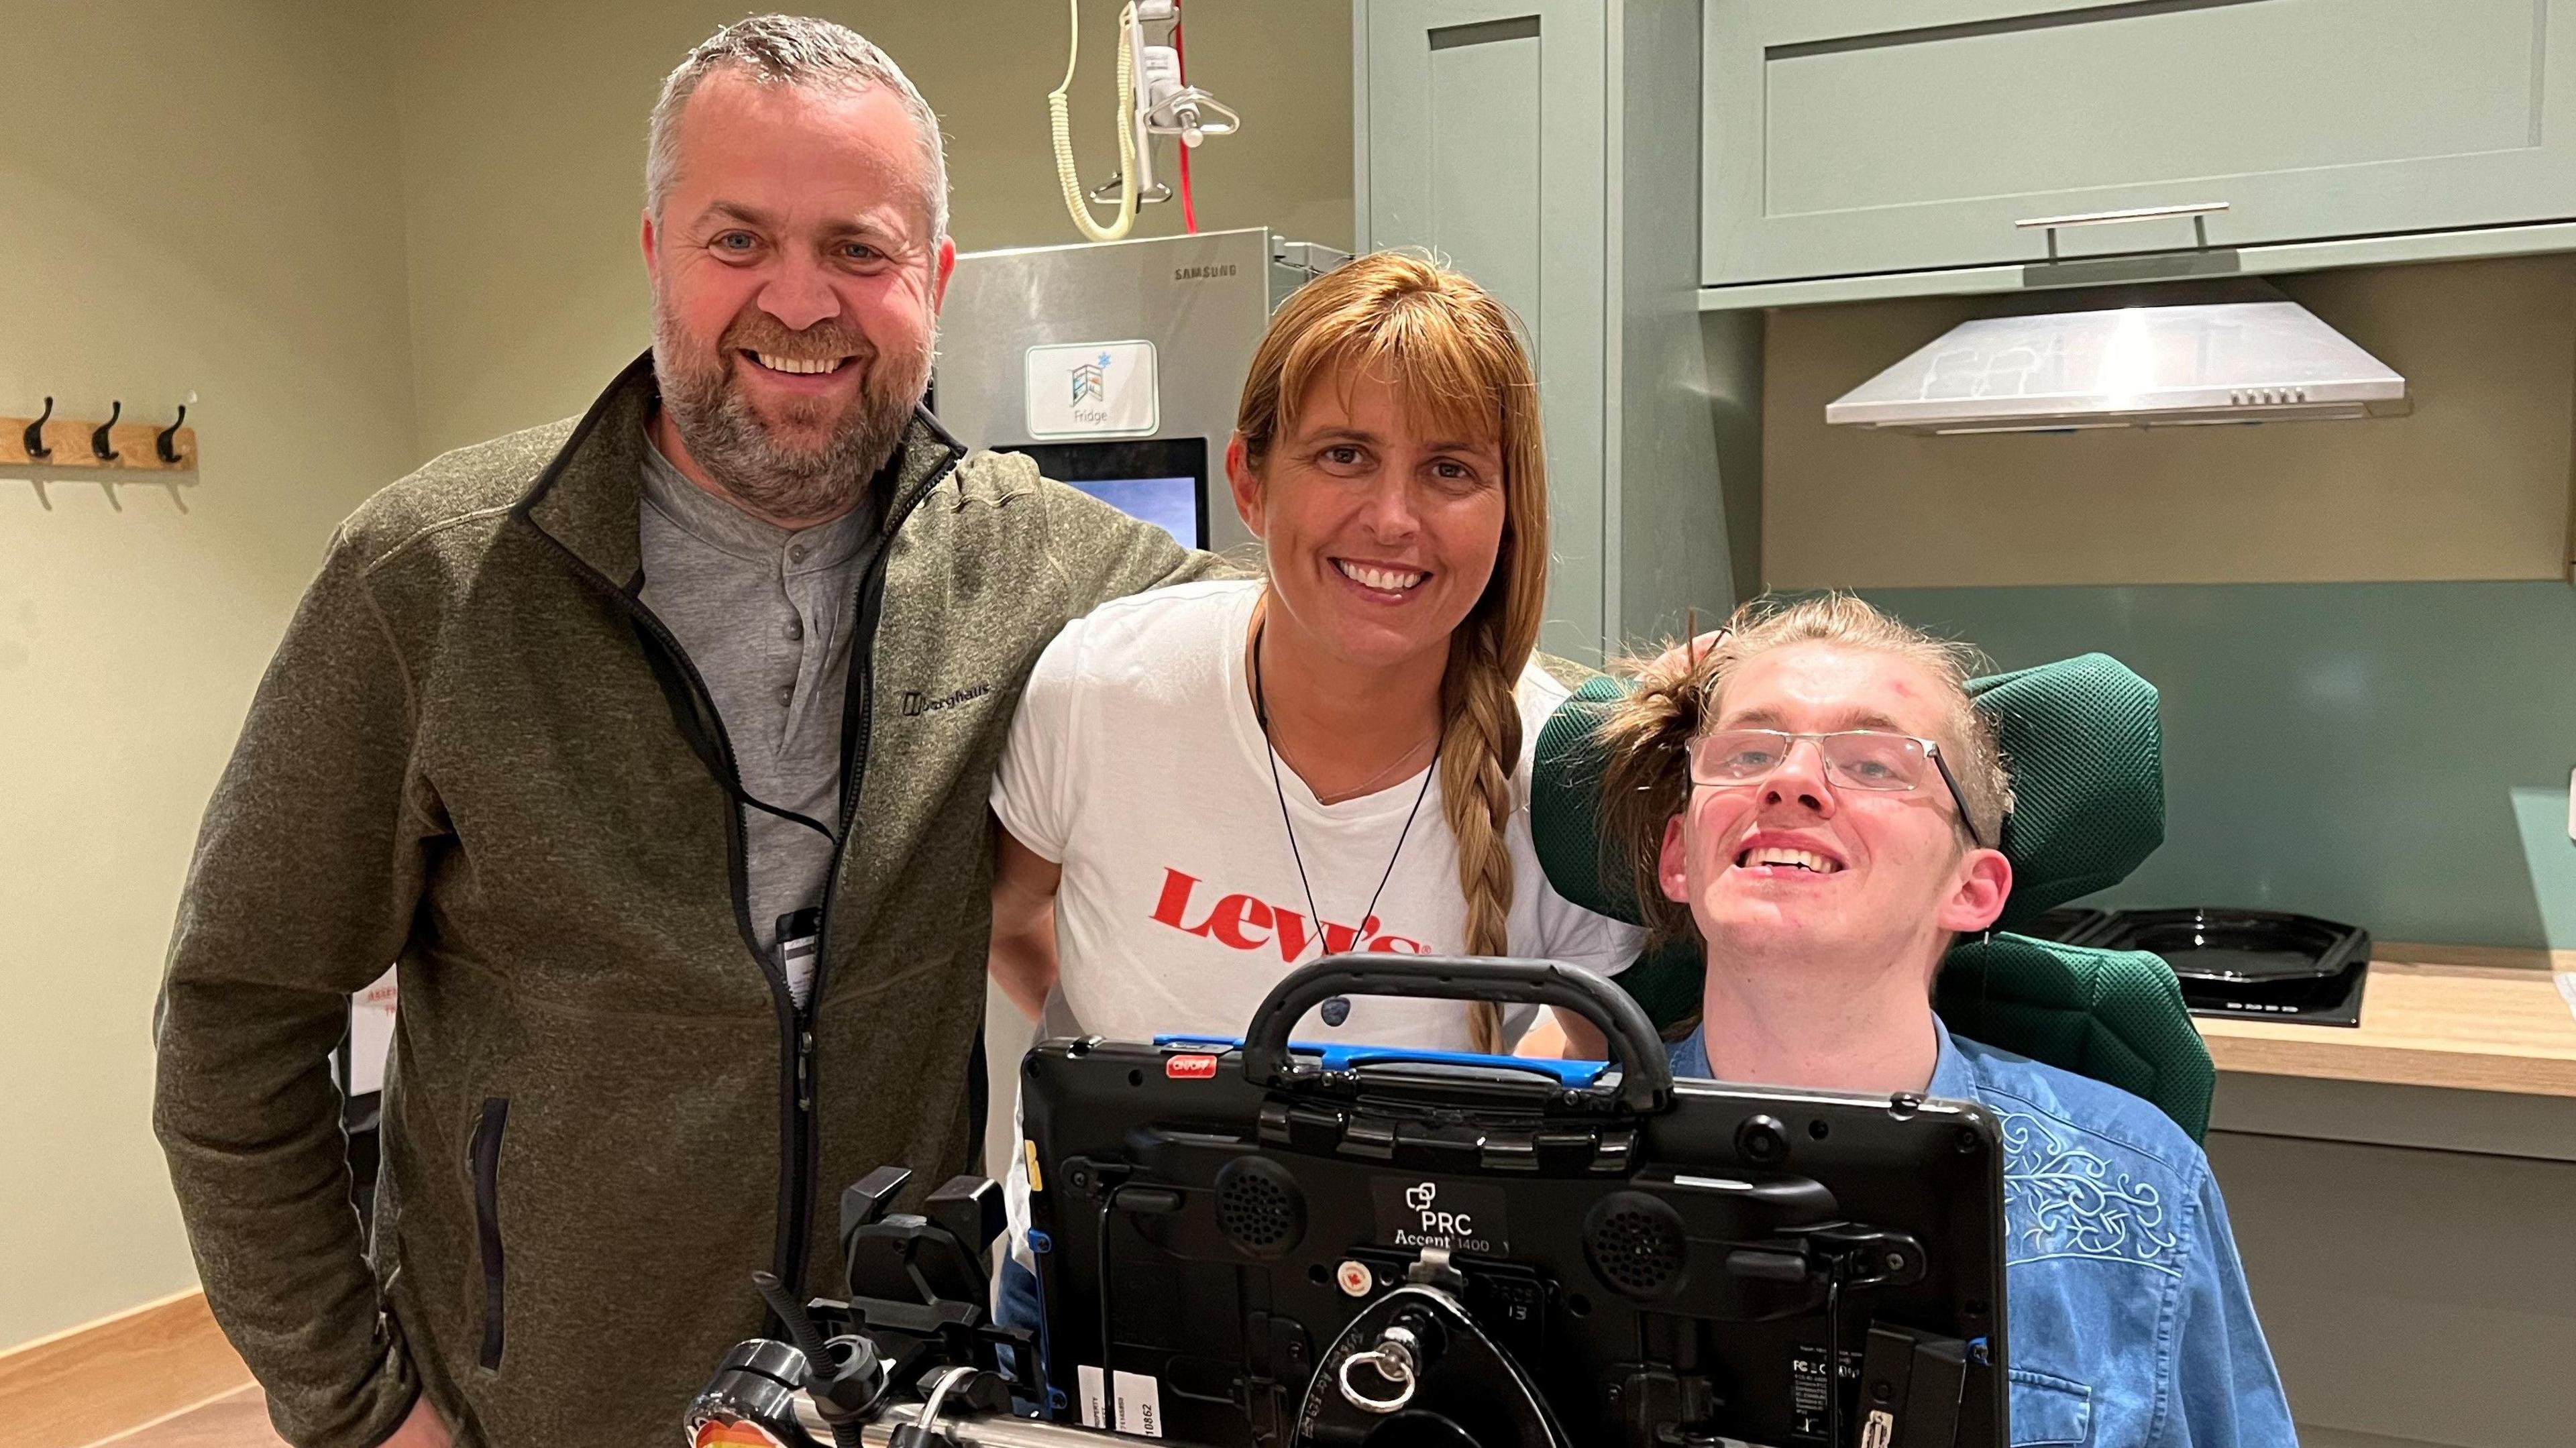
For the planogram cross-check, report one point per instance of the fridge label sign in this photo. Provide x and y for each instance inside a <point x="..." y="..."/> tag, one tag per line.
<point x="1093" y="389"/>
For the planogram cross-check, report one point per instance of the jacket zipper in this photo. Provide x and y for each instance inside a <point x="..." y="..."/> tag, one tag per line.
<point x="786" y="1262"/>
<point x="805" y="1159"/>
<point x="799" y="1160"/>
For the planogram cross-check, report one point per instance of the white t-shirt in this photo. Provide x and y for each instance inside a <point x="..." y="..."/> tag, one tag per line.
<point x="1137" y="763"/>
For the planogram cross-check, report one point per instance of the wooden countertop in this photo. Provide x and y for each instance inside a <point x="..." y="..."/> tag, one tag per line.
<point x="2477" y="1019"/>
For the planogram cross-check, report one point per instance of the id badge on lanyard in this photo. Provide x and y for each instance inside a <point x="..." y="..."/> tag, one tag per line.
<point x="799" y="932"/>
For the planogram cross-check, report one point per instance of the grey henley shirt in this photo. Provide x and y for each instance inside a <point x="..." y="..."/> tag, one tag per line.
<point x="768" y="617"/>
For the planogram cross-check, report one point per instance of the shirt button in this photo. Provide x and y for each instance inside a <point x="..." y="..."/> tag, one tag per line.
<point x="796" y="552"/>
<point x="795" y="629"/>
<point x="786" y="695"/>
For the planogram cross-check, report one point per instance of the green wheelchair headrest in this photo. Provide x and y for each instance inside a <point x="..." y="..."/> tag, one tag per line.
<point x="2114" y="1015"/>
<point x="2086" y="752"/>
<point x="2081" y="737"/>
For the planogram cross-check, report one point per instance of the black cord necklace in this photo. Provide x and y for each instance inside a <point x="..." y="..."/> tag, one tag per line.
<point x="1261" y="712"/>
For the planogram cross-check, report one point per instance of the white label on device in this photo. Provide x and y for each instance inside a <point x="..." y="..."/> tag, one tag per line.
<point x="1092" y="389"/>
<point x="1095" y="1396"/>
<point x="1140" y="1405"/>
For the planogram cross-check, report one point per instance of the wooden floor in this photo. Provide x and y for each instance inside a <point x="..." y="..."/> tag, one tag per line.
<point x="167" y="1360"/>
<point x="238" y="1419"/>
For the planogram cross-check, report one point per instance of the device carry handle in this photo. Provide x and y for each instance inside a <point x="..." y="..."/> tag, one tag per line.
<point x="1645" y="1076"/>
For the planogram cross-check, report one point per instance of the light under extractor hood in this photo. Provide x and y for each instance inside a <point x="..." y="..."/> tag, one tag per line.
<point x="2139" y="366"/>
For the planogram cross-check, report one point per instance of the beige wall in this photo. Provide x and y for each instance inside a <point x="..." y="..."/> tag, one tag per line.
<point x="2472" y="485"/>
<point x="522" y="157"/>
<point x="362" y="240"/>
<point x="191" y="197"/>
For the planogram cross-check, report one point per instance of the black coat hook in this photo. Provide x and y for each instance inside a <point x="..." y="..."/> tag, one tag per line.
<point x="36" y="449"/>
<point x="164" y="442"/>
<point x="98" y="440"/>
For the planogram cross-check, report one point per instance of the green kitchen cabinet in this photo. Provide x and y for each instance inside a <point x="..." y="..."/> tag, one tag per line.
<point x="1549" y="149"/>
<point x="1858" y="138"/>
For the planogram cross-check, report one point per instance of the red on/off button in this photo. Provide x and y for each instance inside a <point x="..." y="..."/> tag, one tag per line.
<point x="1190" y="1068"/>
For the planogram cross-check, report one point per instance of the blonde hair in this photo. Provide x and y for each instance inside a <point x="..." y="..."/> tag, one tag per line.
<point x="1458" y="364"/>
<point x="1645" y="779"/>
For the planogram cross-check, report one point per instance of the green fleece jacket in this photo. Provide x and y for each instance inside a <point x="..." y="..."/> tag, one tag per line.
<point x="478" y="756"/>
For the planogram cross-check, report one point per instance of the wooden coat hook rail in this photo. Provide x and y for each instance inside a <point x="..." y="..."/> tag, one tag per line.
<point x="108" y="452"/>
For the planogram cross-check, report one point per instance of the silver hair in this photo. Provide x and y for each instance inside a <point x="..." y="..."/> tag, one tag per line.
<point x="793" y="50"/>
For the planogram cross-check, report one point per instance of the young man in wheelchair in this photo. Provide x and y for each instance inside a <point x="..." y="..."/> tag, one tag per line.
<point x="1815" y="797"/>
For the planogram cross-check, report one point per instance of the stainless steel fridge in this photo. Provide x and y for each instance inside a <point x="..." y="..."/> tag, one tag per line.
<point x="1117" y="365"/>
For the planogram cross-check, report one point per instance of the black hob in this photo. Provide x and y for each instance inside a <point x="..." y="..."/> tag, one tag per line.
<point x="2253" y="964"/>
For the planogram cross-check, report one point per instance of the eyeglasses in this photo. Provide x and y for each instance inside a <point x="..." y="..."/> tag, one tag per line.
<point x="1863" y="759"/>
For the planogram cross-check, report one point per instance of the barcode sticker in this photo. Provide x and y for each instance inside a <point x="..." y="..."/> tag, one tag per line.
<point x="1095" y="1396"/>
<point x="1140" y="1405"/>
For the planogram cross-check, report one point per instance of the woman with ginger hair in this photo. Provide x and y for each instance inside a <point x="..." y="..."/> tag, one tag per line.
<point x="1211" y="785"/>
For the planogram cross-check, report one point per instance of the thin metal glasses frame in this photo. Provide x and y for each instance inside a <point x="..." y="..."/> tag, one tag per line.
<point x="1931" y="750"/>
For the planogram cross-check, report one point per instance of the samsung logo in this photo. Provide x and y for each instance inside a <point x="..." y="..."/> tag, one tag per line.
<point x="1201" y="273"/>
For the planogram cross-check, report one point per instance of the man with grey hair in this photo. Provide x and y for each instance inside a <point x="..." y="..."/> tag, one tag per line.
<point x="612" y="735"/>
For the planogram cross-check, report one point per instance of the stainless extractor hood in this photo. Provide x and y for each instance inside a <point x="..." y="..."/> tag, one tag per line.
<point x="2141" y="366"/>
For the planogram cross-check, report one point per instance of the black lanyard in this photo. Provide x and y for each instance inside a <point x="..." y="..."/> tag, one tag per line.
<point x="1261" y="712"/>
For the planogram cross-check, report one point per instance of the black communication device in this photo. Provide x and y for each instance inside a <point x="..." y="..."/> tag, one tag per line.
<point x="1260" y="1243"/>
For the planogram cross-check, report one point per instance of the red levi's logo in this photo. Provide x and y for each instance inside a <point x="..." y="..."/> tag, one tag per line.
<point x="1190" y="1068"/>
<point x="1244" y="922"/>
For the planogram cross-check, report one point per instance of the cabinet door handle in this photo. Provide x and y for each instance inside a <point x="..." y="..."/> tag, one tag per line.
<point x="2198" y="211"/>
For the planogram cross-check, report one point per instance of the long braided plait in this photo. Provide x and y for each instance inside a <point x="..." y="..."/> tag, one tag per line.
<point x="1480" y="749"/>
<point x="1479" y="704"/>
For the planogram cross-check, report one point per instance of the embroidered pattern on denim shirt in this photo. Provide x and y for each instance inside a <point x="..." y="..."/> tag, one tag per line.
<point x="2061" y="1200"/>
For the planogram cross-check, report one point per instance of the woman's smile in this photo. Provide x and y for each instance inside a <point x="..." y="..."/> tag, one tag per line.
<point x="1386" y="582"/>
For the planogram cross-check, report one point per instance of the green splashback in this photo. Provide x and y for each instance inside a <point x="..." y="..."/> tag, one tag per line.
<point x="2392" y="755"/>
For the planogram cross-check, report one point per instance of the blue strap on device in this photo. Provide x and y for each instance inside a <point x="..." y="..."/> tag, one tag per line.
<point x="1577" y="1075"/>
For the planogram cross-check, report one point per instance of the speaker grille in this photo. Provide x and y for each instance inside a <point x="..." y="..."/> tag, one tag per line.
<point x="1258" y="1206"/>
<point x="1635" y="1244"/>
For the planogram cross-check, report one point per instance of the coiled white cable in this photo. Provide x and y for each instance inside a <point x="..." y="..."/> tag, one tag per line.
<point x="1060" y="117"/>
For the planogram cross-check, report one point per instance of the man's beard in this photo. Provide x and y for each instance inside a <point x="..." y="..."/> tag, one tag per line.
<point x="739" y="449"/>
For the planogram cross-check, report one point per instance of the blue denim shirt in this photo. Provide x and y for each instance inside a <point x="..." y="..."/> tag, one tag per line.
<point x="2129" y="1320"/>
